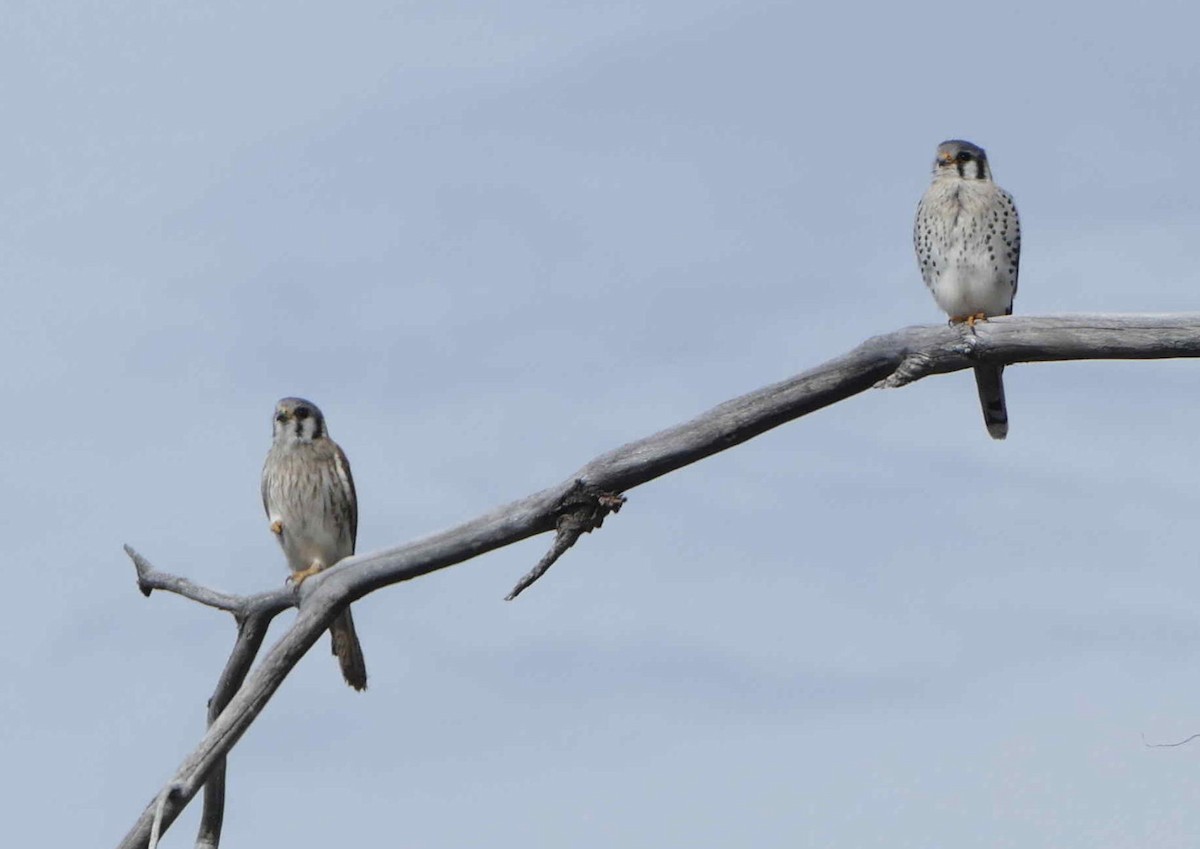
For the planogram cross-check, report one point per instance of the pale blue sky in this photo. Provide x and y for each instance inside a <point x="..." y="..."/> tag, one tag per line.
<point x="494" y="240"/>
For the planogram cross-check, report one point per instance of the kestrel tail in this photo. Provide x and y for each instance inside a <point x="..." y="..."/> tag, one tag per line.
<point x="312" y="509"/>
<point x="968" y="242"/>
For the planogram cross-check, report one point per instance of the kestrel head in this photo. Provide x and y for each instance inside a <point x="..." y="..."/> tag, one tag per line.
<point x="297" y="420"/>
<point x="961" y="159"/>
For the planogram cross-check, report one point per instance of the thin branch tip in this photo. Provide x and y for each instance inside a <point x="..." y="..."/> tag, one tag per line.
<point x="1182" y="742"/>
<point x="150" y="579"/>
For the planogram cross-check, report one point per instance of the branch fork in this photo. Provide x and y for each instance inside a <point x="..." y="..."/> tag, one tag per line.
<point x="582" y="511"/>
<point x="253" y="614"/>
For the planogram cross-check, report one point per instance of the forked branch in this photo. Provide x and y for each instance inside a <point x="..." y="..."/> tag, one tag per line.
<point x="253" y="615"/>
<point x="894" y="359"/>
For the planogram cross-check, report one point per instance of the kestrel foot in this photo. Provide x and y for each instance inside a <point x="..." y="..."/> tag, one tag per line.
<point x="303" y="575"/>
<point x="277" y="527"/>
<point x="968" y="320"/>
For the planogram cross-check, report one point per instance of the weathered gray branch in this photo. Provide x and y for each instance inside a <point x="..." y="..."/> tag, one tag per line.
<point x="894" y="359"/>
<point x="150" y="579"/>
<point x="252" y="629"/>
<point x="253" y="615"/>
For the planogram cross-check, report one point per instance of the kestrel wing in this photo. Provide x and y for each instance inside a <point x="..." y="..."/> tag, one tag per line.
<point x="1012" y="239"/>
<point x="346" y="480"/>
<point x="266" y="486"/>
<point x="926" y="246"/>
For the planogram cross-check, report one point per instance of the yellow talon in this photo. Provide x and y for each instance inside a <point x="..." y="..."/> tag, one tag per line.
<point x="300" y="577"/>
<point x="968" y="320"/>
<point x="277" y="527"/>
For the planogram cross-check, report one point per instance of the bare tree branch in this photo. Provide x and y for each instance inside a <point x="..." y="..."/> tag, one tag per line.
<point x="251" y="631"/>
<point x="894" y="359"/>
<point x="150" y="579"/>
<point x="253" y="614"/>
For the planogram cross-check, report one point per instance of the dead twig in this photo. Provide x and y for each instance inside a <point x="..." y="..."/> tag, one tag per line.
<point x="583" y="512"/>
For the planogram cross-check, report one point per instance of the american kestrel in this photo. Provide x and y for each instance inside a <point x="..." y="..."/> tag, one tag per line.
<point x="968" y="241"/>
<point x="309" y="497"/>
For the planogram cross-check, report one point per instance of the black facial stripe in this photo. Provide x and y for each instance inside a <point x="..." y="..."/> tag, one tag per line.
<point x="959" y="164"/>
<point x="318" y="428"/>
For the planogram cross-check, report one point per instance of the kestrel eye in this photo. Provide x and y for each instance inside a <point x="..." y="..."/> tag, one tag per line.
<point x="963" y="156"/>
<point x="302" y="413"/>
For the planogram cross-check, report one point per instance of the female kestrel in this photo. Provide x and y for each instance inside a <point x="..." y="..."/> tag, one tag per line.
<point x="309" y="497"/>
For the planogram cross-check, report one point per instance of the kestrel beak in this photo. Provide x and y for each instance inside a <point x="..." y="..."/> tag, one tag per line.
<point x="945" y="158"/>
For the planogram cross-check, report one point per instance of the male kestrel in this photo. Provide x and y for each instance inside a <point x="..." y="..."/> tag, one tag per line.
<point x="968" y="241"/>
<point x="309" y="497"/>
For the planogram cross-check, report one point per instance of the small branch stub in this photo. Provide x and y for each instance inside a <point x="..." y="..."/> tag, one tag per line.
<point x="582" y="511"/>
<point x="917" y="364"/>
<point x="159" y="808"/>
<point x="911" y="368"/>
<point x="144" y="570"/>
